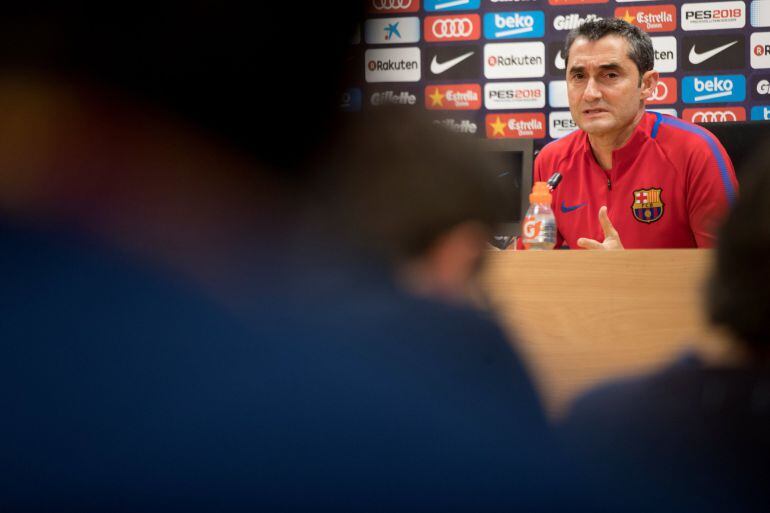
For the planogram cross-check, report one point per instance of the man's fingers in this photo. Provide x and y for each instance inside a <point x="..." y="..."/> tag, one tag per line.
<point x="589" y="243"/>
<point x="604" y="220"/>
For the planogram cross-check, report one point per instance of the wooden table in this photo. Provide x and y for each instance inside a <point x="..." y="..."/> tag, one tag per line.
<point x="581" y="317"/>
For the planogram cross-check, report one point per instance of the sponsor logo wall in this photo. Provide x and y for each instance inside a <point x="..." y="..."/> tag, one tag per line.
<point x="496" y="69"/>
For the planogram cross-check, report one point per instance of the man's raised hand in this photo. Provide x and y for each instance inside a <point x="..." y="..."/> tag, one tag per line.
<point x="611" y="237"/>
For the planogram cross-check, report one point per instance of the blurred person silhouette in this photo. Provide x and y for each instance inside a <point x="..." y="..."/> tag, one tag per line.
<point x="135" y="168"/>
<point x="697" y="429"/>
<point x="412" y="196"/>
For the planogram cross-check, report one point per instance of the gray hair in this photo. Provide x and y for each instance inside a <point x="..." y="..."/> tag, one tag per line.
<point x="639" y="43"/>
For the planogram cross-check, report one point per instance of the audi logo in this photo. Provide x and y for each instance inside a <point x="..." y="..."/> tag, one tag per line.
<point x="455" y="27"/>
<point x="713" y="116"/>
<point x="391" y="5"/>
<point x="660" y="92"/>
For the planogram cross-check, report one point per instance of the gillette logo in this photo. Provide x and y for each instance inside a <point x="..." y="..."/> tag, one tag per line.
<point x="714" y="89"/>
<point x="572" y="21"/>
<point x="514" y="25"/>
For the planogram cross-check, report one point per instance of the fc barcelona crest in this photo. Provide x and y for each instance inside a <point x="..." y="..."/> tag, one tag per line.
<point x="647" y="206"/>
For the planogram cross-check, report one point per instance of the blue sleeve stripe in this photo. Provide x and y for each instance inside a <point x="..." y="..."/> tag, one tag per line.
<point x="656" y="126"/>
<point x="723" y="173"/>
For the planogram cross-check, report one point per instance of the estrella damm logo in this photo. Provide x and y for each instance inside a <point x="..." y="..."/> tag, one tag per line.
<point x="648" y="205"/>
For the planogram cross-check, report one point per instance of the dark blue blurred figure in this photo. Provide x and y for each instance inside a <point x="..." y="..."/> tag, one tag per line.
<point x="161" y="346"/>
<point x="694" y="436"/>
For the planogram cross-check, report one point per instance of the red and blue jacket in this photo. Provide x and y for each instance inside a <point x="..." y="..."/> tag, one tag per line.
<point x="669" y="187"/>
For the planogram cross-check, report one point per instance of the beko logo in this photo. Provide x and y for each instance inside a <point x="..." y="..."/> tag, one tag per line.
<point x="560" y="123"/>
<point x="760" y="50"/>
<point x="713" y="16"/>
<point x="392" y="98"/>
<point x="393" y="65"/>
<point x="571" y="21"/>
<point x="713" y="89"/>
<point x="714" y="115"/>
<point x="714" y="52"/>
<point x="760" y="113"/>
<point x="459" y="27"/>
<point x="514" y="60"/>
<point x="514" y="95"/>
<point x="665" y="53"/>
<point x="394" y="5"/>
<point x="514" y="25"/>
<point x="351" y="100"/>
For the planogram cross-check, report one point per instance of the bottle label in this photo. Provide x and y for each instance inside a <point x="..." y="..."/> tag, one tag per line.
<point x="531" y="228"/>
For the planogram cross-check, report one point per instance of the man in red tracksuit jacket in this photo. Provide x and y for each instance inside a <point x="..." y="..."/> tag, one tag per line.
<point x="650" y="180"/>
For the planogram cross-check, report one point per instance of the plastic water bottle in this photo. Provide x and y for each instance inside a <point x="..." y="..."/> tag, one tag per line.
<point x="539" y="227"/>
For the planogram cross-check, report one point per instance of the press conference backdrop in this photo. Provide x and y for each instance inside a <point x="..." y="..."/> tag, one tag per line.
<point x="495" y="68"/>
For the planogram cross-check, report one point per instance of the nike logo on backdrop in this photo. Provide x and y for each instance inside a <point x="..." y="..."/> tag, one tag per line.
<point x="439" y="67"/>
<point x="697" y="58"/>
<point x="565" y="209"/>
<point x="558" y="62"/>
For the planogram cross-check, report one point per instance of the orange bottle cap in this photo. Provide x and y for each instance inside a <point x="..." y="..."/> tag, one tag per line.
<point x="540" y="194"/>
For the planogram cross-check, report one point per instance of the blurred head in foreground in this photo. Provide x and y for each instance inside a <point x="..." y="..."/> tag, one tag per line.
<point x="420" y="198"/>
<point x="739" y="294"/>
<point x="161" y="129"/>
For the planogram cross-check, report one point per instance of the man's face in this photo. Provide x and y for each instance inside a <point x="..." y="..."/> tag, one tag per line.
<point x="603" y="86"/>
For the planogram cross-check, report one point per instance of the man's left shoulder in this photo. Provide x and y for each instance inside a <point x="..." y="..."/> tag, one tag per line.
<point x="682" y="136"/>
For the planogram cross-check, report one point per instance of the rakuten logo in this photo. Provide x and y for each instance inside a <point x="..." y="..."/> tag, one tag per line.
<point x="458" y="27"/>
<point x="514" y="25"/>
<point x="453" y="97"/>
<point x="528" y="125"/>
<point x="760" y="50"/>
<point x="560" y="123"/>
<point x="571" y="21"/>
<point x="392" y="65"/>
<point x="514" y="95"/>
<point x="664" y="92"/>
<point x="514" y="60"/>
<point x="659" y="18"/>
<point x="720" y="115"/>
<point x="713" y="16"/>
<point x="714" y="89"/>
<point x="665" y="53"/>
<point x="458" y="126"/>
<point x="399" y="6"/>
